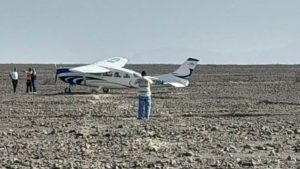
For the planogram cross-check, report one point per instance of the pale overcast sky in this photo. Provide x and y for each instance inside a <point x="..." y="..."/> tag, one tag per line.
<point x="150" y="31"/>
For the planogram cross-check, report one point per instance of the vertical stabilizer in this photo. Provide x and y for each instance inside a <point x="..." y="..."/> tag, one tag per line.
<point x="186" y="69"/>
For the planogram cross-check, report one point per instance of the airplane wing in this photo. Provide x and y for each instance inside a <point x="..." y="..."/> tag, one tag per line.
<point x="102" y="66"/>
<point x="90" y="69"/>
<point x="115" y="62"/>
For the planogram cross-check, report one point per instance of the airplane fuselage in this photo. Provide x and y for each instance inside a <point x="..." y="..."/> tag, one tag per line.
<point x="115" y="79"/>
<point x="110" y="74"/>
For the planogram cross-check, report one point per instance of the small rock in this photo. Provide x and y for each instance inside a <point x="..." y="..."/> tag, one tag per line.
<point x="45" y="132"/>
<point x="246" y="162"/>
<point x="290" y="158"/>
<point x="173" y="162"/>
<point x="52" y="132"/>
<point x="272" y="153"/>
<point x="71" y="131"/>
<point x="247" y="146"/>
<point x="260" y="148"/>
<point x="190" y="160"/>
<point x="4" y="133"/>
<point x="151" y="133"/>
<point x="214" y="128"/>
<point x="188" y="154"/>
<point x="297" y="131"/>
<point x="107" y="135"/>
<point x="289" y="131"/>
<point x="265" y="128"/>
<point x="16" y="160"/>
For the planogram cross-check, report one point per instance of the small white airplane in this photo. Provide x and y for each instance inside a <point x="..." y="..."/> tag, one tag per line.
<point x="110" y="74"/>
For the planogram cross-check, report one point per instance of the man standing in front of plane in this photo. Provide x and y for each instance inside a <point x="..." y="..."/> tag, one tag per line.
<point x="144" y="94"/>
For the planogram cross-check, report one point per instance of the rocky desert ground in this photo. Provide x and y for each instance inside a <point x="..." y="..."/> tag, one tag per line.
<point x="229" y="117"/>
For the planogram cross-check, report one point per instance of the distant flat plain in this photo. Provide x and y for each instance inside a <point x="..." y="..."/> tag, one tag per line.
<point x="231" y="116"/>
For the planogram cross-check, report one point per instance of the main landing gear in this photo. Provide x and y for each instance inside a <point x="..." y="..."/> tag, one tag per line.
<point x="68" y="90"/>
<point x="105" y="90"/>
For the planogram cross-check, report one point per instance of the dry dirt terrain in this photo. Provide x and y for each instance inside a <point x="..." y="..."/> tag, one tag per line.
<point x="229" y="117"/>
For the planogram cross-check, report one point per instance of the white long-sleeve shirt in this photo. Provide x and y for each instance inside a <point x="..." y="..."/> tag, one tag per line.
<point x="14" y="75"/>
<point x="144" y="86"/>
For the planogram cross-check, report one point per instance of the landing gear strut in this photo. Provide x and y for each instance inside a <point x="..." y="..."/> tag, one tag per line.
<point x="68" y="90"/>
<point x="105" y="90"/>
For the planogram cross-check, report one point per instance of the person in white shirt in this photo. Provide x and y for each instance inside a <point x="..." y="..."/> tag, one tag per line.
<point x="14" y="78"/>
<point x="144" y="94"/>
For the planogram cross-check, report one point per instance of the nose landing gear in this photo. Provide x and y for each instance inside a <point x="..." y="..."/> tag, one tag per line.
<point x="105" y="90"/>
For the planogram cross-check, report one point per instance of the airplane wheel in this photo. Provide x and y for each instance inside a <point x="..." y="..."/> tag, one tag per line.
<point x="105" y="90"/>
<point x="68" y="90"/>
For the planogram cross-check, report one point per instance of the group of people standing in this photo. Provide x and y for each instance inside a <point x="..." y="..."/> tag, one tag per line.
<point x="30" y="79"/>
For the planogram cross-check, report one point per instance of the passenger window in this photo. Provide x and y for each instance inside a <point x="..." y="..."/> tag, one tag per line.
<point x="97" y="74"/>
<point x="126" y="76"/>
<point x="117" y="74"/>
<point x="107" y="74"/>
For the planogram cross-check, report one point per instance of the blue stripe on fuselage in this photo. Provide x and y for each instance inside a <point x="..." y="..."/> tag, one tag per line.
<point x="63" y="70"/>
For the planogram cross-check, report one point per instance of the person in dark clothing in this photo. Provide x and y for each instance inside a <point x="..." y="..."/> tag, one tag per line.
<point x="33" y="79"/>
<point x="28" y="80"/>
<point x="14" y="78"/>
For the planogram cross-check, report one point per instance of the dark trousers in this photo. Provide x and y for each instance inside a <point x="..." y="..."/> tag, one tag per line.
<point x="33" y="85"/>
<point x="28" y="86"/>
<point x="15" y="84"/>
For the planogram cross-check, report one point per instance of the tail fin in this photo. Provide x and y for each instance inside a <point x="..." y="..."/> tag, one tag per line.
<point x="179" y="77"/>
<point x="186" y="69"/>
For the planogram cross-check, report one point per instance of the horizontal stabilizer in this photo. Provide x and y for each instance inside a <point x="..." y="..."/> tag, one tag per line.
<point x="171" y="80"/>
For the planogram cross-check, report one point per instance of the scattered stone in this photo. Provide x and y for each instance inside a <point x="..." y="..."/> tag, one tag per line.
<point x="106" y="135"/>
<point x="72" y="131"/>
<point x="52" y="132"/>
<point x="248" y="146"/>
<point x="272" y="153"/>
<point x="290" y="158"/>
<point x="173" y="162"/>
<point x="214" y="128"/>
<point x="246" y="162"/>
<point x="188" y="154"/>
<point x="297" y="131"/>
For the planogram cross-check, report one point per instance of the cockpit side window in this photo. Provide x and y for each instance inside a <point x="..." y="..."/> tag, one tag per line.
<point x="107" y="74"/>
<point x="135" y="75"/>
<point x="117" y="74"/>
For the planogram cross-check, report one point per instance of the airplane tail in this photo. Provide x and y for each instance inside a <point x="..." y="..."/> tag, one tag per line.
<point x="179" y="78"/>
<point x="186" y="69"/>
